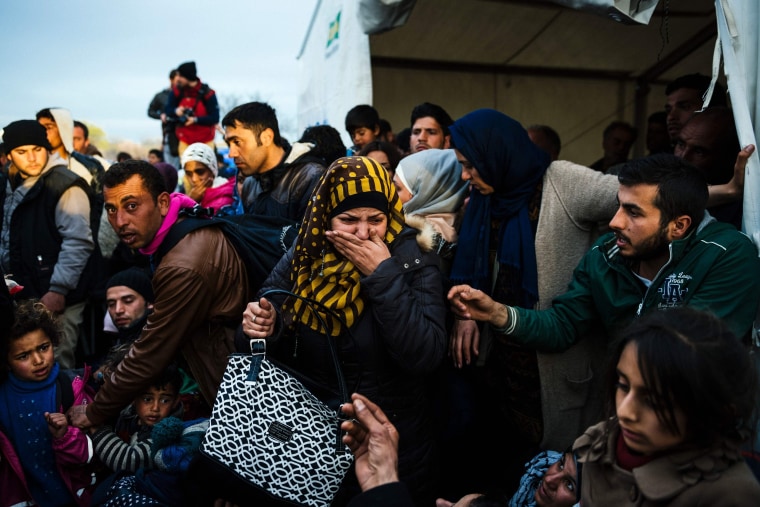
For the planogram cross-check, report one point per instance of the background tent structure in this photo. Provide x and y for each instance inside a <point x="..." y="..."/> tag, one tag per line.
<point x="538" y="61"/>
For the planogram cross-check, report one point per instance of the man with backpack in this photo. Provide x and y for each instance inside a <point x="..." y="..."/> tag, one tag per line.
<point x="198" y="294"/>
<point x="193" y="106"/>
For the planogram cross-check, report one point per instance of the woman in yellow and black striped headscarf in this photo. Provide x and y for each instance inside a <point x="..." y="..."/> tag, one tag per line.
<point x="320" y="270"/>
<point x="355" y="256"/>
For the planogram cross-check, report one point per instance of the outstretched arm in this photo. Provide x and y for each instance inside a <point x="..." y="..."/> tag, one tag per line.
<point x="469" y="303"/>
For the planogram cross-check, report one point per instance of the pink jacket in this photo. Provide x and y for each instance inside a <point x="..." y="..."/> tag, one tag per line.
<point x="219" y="197"/>
<point x="74" y="455"/>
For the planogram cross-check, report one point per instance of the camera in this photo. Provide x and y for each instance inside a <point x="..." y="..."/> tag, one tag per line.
<point x="189" y="113"/>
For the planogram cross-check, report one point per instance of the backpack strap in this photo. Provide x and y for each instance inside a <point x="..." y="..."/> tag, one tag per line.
<point x="194" y="218"/>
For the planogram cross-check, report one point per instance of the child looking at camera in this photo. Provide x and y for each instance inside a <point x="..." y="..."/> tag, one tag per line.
<point x="126" y="446"/>
<point x="684" y="392"/>
<point x="150" y="448"/>
<point x="42" y="458"/>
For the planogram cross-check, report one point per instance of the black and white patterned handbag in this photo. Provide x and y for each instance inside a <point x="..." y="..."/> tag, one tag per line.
<point x="269" y="430"/>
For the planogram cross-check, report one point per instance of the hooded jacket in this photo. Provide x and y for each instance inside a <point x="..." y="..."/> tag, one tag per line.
<point x="90" y="169"/>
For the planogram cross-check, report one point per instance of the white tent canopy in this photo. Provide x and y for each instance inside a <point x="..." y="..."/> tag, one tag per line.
<point x="536" y="60"/>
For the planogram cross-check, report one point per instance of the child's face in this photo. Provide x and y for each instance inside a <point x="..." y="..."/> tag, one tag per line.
<point x="30" y="357"/>
<point x="642" y="430"/>
<point x="364" y="135"/>
<point x="155" y="404"/>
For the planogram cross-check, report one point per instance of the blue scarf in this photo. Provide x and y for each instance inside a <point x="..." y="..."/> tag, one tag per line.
<point x="22" y="416"/>
<point x="535" y="469"/>
<point x="506" y="159"/>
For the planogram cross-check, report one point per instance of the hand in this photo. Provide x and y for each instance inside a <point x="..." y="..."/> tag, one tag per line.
<point x="365" y="254"/>
<point x="179" y="111"/>
<point x="54" y="301"/>
<point x="737" y="181"/>
<point x="196" y="193"/>
<point x="469" y="303"/>
<point x="57" y="424"/>
<point x="78" y="417"/>
<point x="732" y="191"/>
<point x="464" y="342"/>
<point x="258" y="319"/>
<point x="374" y="441"/>
<point x="462" y="502"/>
<point x="190" y="120"/>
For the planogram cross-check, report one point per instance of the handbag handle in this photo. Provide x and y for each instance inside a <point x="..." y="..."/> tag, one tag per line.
<point x="333" y="351"/>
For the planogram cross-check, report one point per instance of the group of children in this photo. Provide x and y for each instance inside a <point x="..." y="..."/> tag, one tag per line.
<point x="141" y="460"/>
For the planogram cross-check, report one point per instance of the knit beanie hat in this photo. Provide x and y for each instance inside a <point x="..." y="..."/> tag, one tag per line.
<point x="169" y="173"/>
<point x="200" y="153"/>
<point x="188" y="71"/>
<point x="136" y="279"/>
<point x="23" y="133"/>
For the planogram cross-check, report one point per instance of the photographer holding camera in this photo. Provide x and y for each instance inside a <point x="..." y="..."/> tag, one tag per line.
<point x="193" y="107"/>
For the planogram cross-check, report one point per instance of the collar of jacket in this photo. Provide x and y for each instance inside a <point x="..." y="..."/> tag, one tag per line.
<point x="664" y="477"/>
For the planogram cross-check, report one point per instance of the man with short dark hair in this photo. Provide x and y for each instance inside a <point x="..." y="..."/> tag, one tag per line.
<point x="81" y="137"/>
<point x="658" y="140"/>
<point x="617" y="139"/>
<point x="82" y="144"/>
<point x="197" y="303"/>
<point x="663" y="251"/>
<point x="709" y="142"/>
<point x="429" y="128"/>
<point x="157" y="111"/>
<point x="283" y="176"/>
<point x="194" y="108"/>
<point x="545" y="138"/>
<point x="46" y="240"/>
<point x="684" y="97"/>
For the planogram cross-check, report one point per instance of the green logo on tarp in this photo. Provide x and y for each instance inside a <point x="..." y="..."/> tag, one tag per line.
<point x="334" y="32"/>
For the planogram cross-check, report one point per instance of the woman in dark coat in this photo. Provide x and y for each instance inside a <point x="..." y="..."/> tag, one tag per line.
<point x="354" y="255"/>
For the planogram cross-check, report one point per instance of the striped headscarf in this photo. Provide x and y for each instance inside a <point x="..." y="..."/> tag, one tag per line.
<point x="318" y="272"/>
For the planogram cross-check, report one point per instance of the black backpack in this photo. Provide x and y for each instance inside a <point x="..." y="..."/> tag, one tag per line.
<point x="259" y="240"/>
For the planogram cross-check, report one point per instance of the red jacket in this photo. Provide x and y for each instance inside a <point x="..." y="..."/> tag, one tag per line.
<point x="203" y="101"/>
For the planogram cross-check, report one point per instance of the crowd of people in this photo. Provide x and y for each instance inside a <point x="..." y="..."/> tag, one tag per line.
<point x="517" y="329"/>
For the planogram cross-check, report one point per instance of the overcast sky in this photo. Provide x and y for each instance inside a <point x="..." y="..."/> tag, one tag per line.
<point x="106" y="59"/>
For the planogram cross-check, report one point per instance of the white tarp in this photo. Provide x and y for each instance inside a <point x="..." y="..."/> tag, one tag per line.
<point x="629" y="12"/>
<point x="737" y="32"/>
<point x="335" y="70"/>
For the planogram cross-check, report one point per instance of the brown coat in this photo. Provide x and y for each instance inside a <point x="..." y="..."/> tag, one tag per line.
<point x="199" y="287"/>
<point x="716" y="476"/>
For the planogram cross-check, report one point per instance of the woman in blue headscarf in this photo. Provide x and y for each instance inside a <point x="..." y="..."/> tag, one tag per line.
<point x="496" y="254"/>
